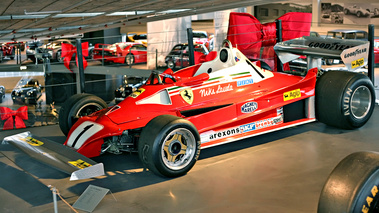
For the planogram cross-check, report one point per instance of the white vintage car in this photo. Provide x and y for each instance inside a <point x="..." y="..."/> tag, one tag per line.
<point x="358" y="11"/>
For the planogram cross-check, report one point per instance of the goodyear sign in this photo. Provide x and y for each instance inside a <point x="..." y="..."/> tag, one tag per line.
<point x="355" y="57"/>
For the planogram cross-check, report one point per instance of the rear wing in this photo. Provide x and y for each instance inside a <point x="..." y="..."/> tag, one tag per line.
<point x="56" y="155"/>
<point x="354" y="53"/>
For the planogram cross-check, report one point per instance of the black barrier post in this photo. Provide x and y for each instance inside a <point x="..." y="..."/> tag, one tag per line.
<point x="80" y="78"/>
<point x="190" y="47"/>
<point x="156" y="59"/>
<point x="279" y="38"/>
<point x="371" y="56"/>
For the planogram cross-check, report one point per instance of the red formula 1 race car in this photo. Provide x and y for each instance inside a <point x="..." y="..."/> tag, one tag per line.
<point x="124" y="52"/>
<point x="173" y="115"/>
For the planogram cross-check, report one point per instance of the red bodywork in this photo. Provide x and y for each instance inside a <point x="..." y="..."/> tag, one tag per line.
<point x="376" y="51"/>
<point x="237" y="99"/>
<point x="117" y="52"/>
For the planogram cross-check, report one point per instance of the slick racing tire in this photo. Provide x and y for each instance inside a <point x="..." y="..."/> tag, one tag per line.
<point x="169" y="146"/>
<point x="353" y="185"/>
<point x="344" y="99"/>
<point x="129" y="59"/>
<point x="77" y="106"/>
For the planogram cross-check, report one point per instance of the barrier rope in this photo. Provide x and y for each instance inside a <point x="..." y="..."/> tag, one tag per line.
<point x="56" y="191"/>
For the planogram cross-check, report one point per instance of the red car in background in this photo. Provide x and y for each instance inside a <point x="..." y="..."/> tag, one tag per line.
<point x="376" y="51"/>
<point x="123" y="52"/>
<point x="6" y="50"/>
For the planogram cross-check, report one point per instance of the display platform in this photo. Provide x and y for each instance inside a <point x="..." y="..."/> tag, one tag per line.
<point x="279" y="172"/>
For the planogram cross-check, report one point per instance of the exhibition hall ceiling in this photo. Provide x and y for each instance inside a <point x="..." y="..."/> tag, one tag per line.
<point x="22" y="20"/>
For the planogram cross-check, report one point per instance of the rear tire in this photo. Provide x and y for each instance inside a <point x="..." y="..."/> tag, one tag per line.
<point x="344" y="99"/>
<point x="353" y="185"/>
<point x="77" y="106"/>
<point x="169" y="146"/>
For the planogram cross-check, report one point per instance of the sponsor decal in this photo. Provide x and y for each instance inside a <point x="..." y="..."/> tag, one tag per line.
<point x="32" y="141"/>
<point x="346" y="101"/>
<point x="279" y="111"/>
<point x="236" y="59"/>
<point x="79" y="164"/>
<point x="291" y="95"/>
<point x="136" y="93"/>
<point x="249" y="107"/>
<point x="187" y="95"/>
<point x="329" y="46"/>
<point x="357" y="63"/>
<point x="369" y="199"/>
<point x="213" y="90"/>
<point x="247" y="127"/>
<point x="261" y="124"/>
<point x="356" y="52"/>
<point x="224" y="133"/>
<point x="245" y="82"/>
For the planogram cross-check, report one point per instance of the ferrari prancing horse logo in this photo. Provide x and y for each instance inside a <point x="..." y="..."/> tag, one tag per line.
<point x="187" y="95"/>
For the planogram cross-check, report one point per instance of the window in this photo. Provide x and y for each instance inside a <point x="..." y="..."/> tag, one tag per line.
<point x="263" y="12"/>
<point x="275" y="12"/>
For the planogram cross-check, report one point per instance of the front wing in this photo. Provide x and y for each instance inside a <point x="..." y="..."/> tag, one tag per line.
<point x="56" y="155"/>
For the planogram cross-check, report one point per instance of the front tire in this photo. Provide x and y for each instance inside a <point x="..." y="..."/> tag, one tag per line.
<point x="353" y="185"/>
<point x="344" y="99"/>
<point x="169" y="146"/>
<point x="77" y="106"/>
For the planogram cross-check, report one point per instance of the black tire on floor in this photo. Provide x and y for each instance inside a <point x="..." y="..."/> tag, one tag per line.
<point x="76" y="106"/>
<point x="169" y="146"/>
<point x="353" y="185"/>
<point x="344" y="99"/>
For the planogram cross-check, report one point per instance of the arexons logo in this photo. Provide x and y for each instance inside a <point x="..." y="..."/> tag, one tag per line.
<point x="249" y="107"/>
<point x="224" y="133"/>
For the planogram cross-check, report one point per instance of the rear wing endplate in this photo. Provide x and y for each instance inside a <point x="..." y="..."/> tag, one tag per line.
<point x="354" y="53"/>
<point x="56" y="155"/>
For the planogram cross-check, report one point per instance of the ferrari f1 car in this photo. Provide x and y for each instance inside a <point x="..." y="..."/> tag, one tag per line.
<point x="175" y="114"/>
